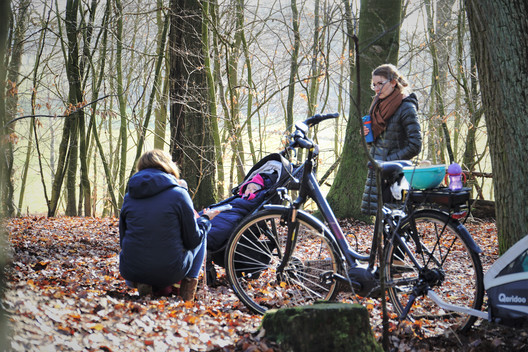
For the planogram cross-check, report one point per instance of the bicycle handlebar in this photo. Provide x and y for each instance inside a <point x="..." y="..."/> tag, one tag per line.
<point x="299" y="138"/>
<point x="314" y="120"/>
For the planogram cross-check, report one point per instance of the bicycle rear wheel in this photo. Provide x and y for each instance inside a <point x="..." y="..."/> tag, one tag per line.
<point x="256" y="249"/>
<point x="445" y="262"/>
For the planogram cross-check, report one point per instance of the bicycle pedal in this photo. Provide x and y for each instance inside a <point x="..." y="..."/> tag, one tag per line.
<point x="327" y="278"/>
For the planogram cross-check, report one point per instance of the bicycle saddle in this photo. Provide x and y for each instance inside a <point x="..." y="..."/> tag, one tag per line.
<point x="392" y="170"/>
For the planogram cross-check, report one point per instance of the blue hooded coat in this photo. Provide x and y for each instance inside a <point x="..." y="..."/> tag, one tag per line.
<point x="158" y="231"/>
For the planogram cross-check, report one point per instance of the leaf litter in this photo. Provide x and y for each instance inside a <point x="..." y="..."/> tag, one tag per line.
<point x="65" y="293"/>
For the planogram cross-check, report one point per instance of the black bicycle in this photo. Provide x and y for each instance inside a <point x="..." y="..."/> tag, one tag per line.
<point x="283" y="256"/>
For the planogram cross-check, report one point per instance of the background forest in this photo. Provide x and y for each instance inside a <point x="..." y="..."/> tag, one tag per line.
<point x="89" y="89"/>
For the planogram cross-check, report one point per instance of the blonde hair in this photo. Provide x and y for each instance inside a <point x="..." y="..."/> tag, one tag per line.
<point x="158" y="159"/>
<point x="391" y="73"/>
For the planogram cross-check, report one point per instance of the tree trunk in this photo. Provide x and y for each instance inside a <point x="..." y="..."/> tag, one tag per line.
<point x="439" y="139"/>
<point x="321" y="327"/>
<point x="12" y="103"/>
<point x="499" y="32"/>
<point x="191" y="138"/>
<point x="379" y="30"/>
<point x="5" y="10"/>
<point x="294" y="65"/>
<point x="209" y="11"/>
<point x="160" y="113"/>
<point x="155" y="86"/>
<point x="233" y="53"/>
<point x="67" y="161"/>
<point x="74" y="98"/>
<point x="97" y="80"/>
<point x="318" y="42"/>
<point x="123" y="135"/>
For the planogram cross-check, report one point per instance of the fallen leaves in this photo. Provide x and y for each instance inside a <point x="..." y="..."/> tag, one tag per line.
<point x="65" y="293"/>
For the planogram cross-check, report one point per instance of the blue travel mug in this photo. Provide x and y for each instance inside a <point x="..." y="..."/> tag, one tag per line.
<point x="369" y="138"/>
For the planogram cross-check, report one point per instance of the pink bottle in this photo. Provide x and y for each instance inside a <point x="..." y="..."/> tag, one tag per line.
<point x="454" y="171"/>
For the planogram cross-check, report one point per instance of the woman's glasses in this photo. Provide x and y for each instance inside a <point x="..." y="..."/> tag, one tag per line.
<point x="378" y="85"/>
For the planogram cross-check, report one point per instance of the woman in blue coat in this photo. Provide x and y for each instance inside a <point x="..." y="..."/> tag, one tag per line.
<point x="162" y="242"/>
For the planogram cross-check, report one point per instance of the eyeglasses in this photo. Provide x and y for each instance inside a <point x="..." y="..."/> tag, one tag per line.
<point x="378" y="85"/>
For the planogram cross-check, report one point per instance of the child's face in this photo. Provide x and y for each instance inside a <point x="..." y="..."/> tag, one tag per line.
<point x="251" y="188"/>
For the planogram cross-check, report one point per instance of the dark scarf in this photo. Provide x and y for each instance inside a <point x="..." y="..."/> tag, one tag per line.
<point x="382" y="109"/>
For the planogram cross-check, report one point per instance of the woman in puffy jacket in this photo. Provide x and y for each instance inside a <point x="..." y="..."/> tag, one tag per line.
<point x="162" y="242"/>
<point x="395" y="126"/>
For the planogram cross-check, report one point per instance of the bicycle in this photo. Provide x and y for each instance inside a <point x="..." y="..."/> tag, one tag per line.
<point x="283" y="256"/>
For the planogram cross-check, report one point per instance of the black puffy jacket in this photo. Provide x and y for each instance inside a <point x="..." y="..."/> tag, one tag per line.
<point x="401" y="140"/>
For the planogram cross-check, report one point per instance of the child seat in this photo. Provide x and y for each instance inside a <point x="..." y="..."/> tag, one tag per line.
<point x="278" y="172"/>
<point x="277" y="168"/>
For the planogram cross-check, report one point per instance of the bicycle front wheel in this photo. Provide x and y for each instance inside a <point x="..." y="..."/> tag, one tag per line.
<point x="256" y="250"/>
<point x="443" y="260"/>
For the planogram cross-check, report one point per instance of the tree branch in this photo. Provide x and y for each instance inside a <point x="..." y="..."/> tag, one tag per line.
<point x="53" y="116"/>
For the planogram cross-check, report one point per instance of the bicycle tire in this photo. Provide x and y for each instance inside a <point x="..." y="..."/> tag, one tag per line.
<point x="255" y="250"/>
<point x="447" y="250"/>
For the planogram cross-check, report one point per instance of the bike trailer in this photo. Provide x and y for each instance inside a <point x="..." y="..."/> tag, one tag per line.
<point x="506" y="283"/>
<point x="274" y="167"/>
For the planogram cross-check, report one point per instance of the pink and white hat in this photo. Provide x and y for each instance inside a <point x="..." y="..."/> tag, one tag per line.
<point x="257" y="179"/>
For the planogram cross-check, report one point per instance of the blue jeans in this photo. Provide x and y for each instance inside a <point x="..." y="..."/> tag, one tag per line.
<point x="199" y="256"/>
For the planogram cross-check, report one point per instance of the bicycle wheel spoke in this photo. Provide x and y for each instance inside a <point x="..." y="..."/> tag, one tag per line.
<point x="443" y="262"/>
<point x="255" y="252"/>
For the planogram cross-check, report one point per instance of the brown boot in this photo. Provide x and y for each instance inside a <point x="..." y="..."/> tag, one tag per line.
<point x="144" y="289"/>
<point x="188" y="288"/>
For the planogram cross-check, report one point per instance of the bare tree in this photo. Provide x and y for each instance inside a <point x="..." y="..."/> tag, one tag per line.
<point x="191" y="137"/>
<point x="13" y="72"/>
<point x="5" y="10"/>
<point x="501" y="61"/>
<point x="378" y="35"/>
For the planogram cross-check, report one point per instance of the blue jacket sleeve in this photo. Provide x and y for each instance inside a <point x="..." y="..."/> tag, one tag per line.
<point x="194" y="230"/>
<point x="122" y="225"/>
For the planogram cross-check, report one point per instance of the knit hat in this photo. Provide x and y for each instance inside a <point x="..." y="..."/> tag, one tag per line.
<point x="257" y="179"/>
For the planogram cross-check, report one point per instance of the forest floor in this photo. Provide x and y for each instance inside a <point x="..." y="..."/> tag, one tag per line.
<point x="64" y="293"/>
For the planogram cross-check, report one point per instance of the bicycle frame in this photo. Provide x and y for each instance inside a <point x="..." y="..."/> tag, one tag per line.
<point x="309" y="188"/>
<point x="407" y="268"/>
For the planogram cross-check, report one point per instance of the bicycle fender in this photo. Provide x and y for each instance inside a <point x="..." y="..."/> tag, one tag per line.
<point x="322" y="226"/>
<point x="469" y="239"/>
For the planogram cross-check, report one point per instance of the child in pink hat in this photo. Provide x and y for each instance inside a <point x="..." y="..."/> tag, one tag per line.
<point x="248" y="198"/>
<point x="252" y="187"/>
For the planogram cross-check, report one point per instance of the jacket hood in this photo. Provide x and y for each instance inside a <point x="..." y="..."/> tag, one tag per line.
<point x="149" y="182"/>
<point x="412" y="98"/>
<point x="257" y="179"/>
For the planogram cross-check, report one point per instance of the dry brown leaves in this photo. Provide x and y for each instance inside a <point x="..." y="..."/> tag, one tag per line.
<point x="65" y="293"/>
